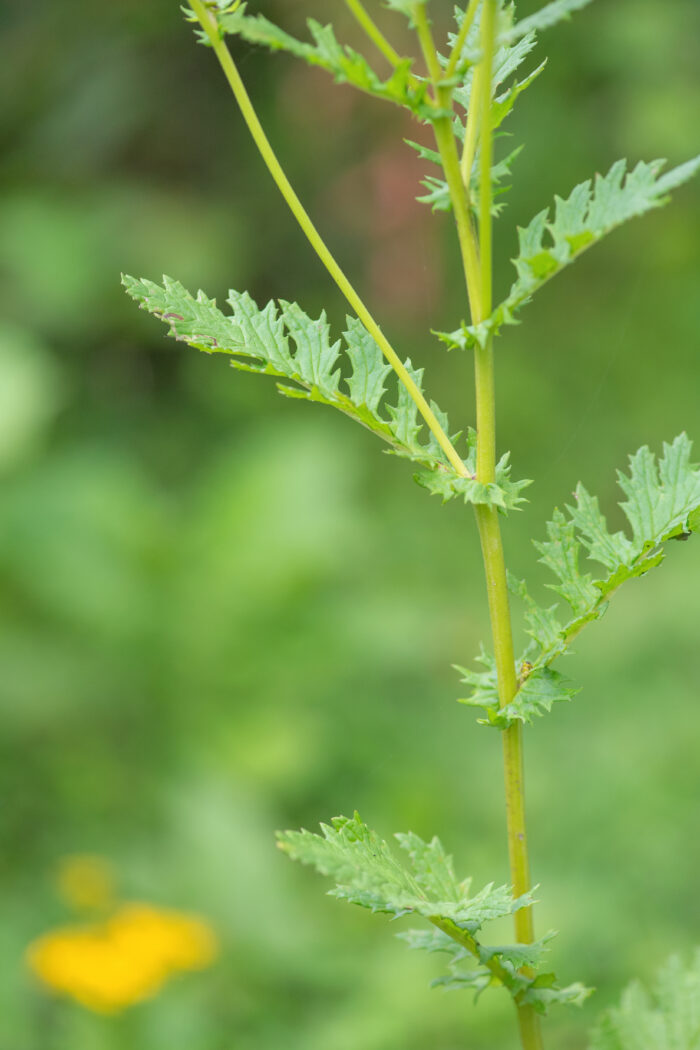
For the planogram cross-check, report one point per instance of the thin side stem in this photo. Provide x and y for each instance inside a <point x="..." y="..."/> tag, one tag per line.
<point x="373" y="31"/>
<point x="211" y="28"/>
<point x="447" y="146"/>
<point x="481" y="89"/>
<point x="461" y="40"/>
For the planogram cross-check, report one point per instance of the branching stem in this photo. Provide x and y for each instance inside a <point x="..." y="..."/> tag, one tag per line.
<point x="210" y="26"/>
<point x="478" y="276"/>
<point x="478" y="269"/>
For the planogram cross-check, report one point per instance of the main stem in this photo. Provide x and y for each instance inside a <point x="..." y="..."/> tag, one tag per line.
<point x="478" y="269"/>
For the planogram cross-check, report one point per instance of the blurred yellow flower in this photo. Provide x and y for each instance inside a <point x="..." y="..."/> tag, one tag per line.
<point x="108" y="966"/>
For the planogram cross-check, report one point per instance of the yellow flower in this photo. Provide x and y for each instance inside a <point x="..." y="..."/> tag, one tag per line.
<point x="111" y="965"/>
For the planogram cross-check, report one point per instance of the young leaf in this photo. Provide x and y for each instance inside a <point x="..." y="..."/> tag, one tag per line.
<point x="592" y="210"/>
<point x="668" y="1020"/>
<point x="342" y="62"/>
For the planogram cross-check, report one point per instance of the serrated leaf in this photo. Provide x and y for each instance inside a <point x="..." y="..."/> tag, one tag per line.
<point x="662" y="504"/>
<point x="283" y="341"/>
<point x="369" y="369"/>
<point x="503" y="493"/>
<point x="342" y="62"/>
<point x="668" y="1019"/>
<point x="539" y="690"/>
<point x="404" y="414"/>
<point x="549" y="15"/>
<point x="591" y="211"/>
<point x="404" y="7"/>
<point x="432" y="940"/>
<point x="438" y="195"/>
<point x="544" y="992"/>
<point x="506" y="61"/>
<point x="367" y="873"/>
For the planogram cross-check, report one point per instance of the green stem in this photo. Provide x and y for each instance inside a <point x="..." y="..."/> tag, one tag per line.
<point x="447" y="147"/>
<point x="490" y="532"/>
<point x="461" y="40"/>
<point x="373" y="32"/>
<point x="210" y="26"/>
<point x="478" y="268"/>
<point x="481" y="91"/>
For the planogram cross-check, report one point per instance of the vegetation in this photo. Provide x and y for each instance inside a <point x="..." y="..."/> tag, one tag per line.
<point x="464" y="95"/>
<point x="223" y="613"/>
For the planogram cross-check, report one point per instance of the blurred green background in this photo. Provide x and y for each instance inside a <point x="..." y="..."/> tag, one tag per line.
<point x="223" y="613"/>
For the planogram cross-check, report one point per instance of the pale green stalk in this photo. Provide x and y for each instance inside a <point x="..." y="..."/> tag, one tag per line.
<point x="461" y="40"/>
<point x="373" y="31"/>
<point x="209" y="24"/>
<point x="480" y="291"/>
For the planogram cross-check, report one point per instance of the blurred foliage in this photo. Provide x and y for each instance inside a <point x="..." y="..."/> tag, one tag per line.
<point x="178" y="545"/>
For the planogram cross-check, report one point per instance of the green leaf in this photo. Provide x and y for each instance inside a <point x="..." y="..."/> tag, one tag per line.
<point x="369" y="369"/>
<point x="405" y="7"/>
<point x="592" y="210"/>
<point x="668" y="1019"/>
<point x="438" y="195"/>
<point x="367" y="872"/>
<point x="544" y="992"/>
<point x="497" y="964"/>
<point x="503" y="493"/>
<point x="342" y="62"/>
<point x="662" y="504"/>
<point x="507" y="59"/>
<point x="540" y="688"/>
<point x="283" y="341"/>
<point x="549" y="15"/>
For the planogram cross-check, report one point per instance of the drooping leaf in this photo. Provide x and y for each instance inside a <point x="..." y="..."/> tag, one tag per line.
<point x="343" y="63"/>
<point x="592" y="210"/>
<point x="283" y="341"/>
<point x="668" y="1019"/>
